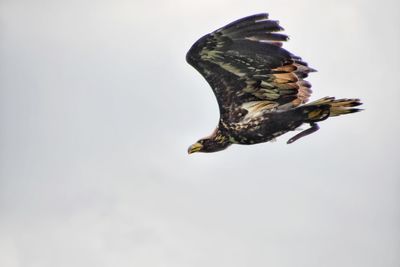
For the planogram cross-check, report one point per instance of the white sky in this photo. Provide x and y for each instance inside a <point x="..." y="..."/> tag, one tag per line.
<point x="98" y="107"/>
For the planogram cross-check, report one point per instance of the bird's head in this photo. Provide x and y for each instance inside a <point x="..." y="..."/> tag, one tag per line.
<point x="215" y="142"/>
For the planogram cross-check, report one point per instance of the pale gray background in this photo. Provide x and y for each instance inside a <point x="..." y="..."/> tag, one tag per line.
<point x="98" y="107"/>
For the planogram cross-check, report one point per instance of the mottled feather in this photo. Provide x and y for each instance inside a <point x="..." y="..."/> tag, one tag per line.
<point x="244" y="62"/>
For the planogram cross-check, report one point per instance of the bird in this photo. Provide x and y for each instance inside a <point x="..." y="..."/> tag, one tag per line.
<point x="260" y="87"/>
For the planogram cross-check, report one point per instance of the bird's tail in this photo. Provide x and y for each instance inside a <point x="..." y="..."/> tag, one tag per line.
<point x="330" y="107"/>
<point x="321" y="110"/>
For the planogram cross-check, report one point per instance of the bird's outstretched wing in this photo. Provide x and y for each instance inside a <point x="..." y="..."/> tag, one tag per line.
<point x="248" y="69"/>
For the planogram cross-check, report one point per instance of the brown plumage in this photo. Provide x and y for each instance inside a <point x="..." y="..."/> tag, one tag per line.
<point x="259" y="86"/>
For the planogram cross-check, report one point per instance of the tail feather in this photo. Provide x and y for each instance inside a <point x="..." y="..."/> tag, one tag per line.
<point x="322" y="109"/>
<point x="338" y="107"/>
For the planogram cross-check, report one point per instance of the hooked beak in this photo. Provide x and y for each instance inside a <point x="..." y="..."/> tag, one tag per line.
<point x="195" y="148"/>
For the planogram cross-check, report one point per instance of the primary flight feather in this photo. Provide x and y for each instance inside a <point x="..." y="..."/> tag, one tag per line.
<point x="259" y="86"/>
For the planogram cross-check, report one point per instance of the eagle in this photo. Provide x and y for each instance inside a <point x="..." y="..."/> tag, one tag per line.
<point x="259" y="86"/>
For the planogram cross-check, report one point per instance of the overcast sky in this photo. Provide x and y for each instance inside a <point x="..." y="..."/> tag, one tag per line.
<point x="98" y="107"/>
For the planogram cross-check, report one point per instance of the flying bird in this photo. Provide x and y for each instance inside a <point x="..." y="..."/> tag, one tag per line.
<point x="259" y="86"/>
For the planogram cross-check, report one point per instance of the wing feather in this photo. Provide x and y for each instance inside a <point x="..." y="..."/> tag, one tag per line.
<point x="244" y="63"/>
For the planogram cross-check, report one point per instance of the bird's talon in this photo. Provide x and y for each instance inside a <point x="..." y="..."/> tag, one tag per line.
<point x="314" y="127"/>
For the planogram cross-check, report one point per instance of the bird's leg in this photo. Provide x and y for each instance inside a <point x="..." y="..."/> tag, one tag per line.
<point x="314" y="127"/>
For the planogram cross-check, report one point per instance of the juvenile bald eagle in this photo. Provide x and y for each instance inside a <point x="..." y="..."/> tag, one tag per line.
<point x="259" y="86"/>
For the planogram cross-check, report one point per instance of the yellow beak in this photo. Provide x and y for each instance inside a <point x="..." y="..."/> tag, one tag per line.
<point x="195" y="148"/>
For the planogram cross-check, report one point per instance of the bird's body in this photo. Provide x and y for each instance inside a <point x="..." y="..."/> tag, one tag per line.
<point x="263" y="128"/>
<point x="259" y="86"/>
